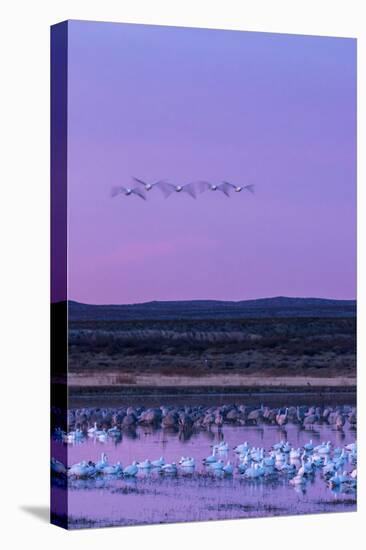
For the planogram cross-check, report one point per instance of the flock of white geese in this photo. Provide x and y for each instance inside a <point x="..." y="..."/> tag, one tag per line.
<point x="139" y="188"/>
<point x="336" y="465"/>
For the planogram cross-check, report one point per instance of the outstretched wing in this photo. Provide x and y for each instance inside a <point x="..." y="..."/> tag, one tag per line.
<point x="139" y="193"/>
<point x="140" y="182"/>
<point x="231" y="185"/>
<point x="166" y="188"/>
<point x="190" y="189"/>
<point x="117" y="190"/>
<point x="202" y="185"/>
<point x="249" y="187"/>
<point x="225" y="188"/>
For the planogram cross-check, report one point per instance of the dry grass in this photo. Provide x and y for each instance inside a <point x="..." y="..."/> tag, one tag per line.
<point x="275" y="348"/>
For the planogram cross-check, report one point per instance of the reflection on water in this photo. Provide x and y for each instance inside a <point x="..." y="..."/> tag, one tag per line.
<point x="272" y="399"/>
<point x="152" y="498"/>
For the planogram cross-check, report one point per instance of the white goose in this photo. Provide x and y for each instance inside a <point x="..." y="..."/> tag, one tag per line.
<point x="187" y="462"/>
<point x="93" y="430"/>
<point x="158" y="463"/>
<point x="169" y="469"/>
<point x="242" y="448"/>
<point x="144" y="464"/>
<point x="228" y="469"/>
<point x="102" y="463"/>
<point x="131" y="470"/>
<point x="115" y="469"/>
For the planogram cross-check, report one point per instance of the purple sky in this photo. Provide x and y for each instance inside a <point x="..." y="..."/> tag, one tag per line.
<point x="275" y="110"/>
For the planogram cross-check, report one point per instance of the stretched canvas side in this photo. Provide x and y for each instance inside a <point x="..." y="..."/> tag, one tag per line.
<point x="59" y="496"/>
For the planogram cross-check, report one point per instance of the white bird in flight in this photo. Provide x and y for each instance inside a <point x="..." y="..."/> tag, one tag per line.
<point x="118" y="190"/>
<point x="238" y="188"/>
<point x="224" y="187"/>
<point x="146" y="185"/>
<point x="169" y="188"/>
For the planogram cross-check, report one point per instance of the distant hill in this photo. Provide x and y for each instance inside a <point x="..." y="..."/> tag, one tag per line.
<point x="280" y="306"/>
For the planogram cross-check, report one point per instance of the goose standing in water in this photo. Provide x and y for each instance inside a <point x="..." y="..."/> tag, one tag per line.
<point x="212" y="458"/>
<point x="218" y="465"/>
<point x="116" y="469"/>
<point x="144" y="465"/>
<point x="58" y="467"/>
<point x="228" y="469"/>
<point x="338" y="479"/>
<point x="114" y="432"/>
<point x="158" y="463"/>
<point x="131" y="470"/>
<point x="295" y="454"/>
<point x="92" y="431"/>
<point x="352" y="447"/>
<point x="102" y="463"/>
<point x="169" y="469"/>
<point x="309" y="447"/>
<point x="71" y="437"/>
<point x="242" y="448"/>
<point x="82" y="469"/>
<point x="278" y="446"/>
<point x="103" y="436"/>
<point x="299" y="479"/>
<point x="222" y="447"/>
<point x="306" y="468"/>
<point x="187" y="462"/>
<point x="188" y="465"/>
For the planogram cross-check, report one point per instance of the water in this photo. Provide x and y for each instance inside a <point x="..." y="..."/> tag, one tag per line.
<point x="249" y="398"/>
<point x="153" y="498"/>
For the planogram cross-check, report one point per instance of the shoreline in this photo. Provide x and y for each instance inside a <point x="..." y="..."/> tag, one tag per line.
<point x="87" y="389"/>
<point x="164" y="391"/>
<point x="106" y="396"/>
<point x="222" y="383"/>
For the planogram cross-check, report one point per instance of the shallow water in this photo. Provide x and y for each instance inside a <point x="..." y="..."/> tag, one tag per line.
<point x="153" y="498"/>
<point x="271" y="399"/>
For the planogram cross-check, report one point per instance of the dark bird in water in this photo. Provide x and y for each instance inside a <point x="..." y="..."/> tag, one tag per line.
<point x="169" y="188"/>
<point x="238" y="188"/>
<point x="118" y="190"/>
<point x="281" y="417"/>
<point x="224" y="187"/>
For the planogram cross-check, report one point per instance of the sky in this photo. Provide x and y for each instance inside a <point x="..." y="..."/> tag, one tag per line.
<point x="277" y="111"/>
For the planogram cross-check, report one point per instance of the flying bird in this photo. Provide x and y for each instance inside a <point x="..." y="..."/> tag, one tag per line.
<point x="238" y="188"/>
<point x="224" y="187"/>
<point x="127" y="191"/>
<point x="147" y="186"/>
<point x="169" y="188"/>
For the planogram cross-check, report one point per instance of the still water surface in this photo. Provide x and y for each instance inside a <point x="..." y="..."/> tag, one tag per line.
<point x="153" y="498"/>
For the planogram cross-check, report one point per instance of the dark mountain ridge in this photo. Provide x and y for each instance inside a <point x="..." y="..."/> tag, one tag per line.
<point x="280" y="306"/>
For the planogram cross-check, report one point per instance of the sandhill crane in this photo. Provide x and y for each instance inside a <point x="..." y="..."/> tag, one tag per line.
<point x="281" y="418"/>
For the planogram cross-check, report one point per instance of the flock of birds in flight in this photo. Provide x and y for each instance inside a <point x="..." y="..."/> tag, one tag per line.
<point x="141" y="187"/>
